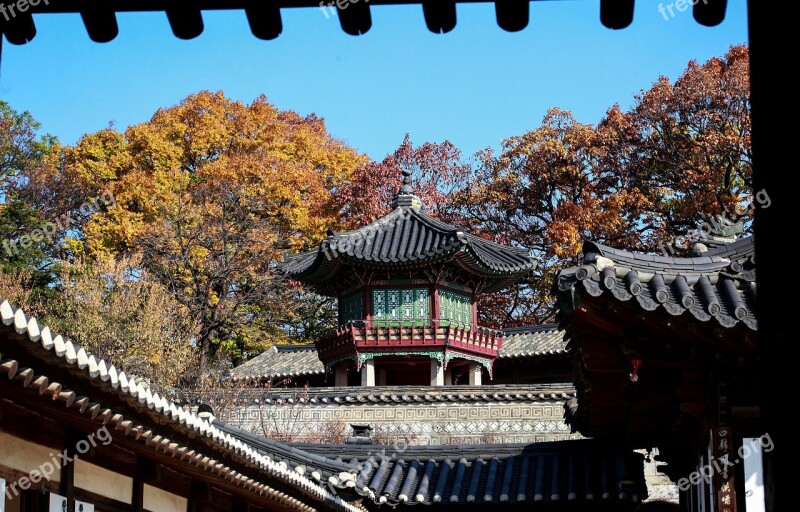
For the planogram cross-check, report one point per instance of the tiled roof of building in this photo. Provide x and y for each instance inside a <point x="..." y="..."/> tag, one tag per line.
<point x="719" y="285"/>
<point x="282" y="361"/>
<point x="406" y="236"/>
<point x="533" y="341"/>
<point x="573" y="472"/>
<point x="401" y="394"/>
<point x="101" y="393"/>
<point x="285" y="361"/>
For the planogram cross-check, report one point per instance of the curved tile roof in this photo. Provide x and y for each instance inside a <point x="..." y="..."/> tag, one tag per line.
<point x="719" y="284"/>
<point x="281" y="361"/>
<point x="186" y="428"/>
<point x="286" y="361"/>
<point x="575" y="472"/>
<point x="407" y="236"/>
<point x="532" y="341"/>
<point x="404" y="394"/>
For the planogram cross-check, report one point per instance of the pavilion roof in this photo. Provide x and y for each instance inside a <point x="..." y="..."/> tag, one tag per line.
<point x="408" y="238"/>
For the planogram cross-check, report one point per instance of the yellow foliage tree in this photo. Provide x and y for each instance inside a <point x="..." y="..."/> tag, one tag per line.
<point x="211" y="193"/>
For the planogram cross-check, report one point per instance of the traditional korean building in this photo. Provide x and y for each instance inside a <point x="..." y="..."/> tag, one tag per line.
<point x="78" y="435"/>
<point x="665" y="352"/>
<point x="408" y="356"/>
<point x="407" y="287"/>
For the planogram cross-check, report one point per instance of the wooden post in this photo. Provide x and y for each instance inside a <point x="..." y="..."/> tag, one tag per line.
<point x="67" y="488"/>
<point x="437" y="373"/>
<point x="436" y="307"/>
<point x="147" y="472"/>
<point x="726" y="459"/>
<point x="474" y="312"/>
<point x="475" y="374"/>
<point x="368" y="373"/>
<point x="368" y="306"/>
<point x="340" y="372"/>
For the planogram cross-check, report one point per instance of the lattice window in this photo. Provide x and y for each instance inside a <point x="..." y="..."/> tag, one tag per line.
<point x="422" y="303"/>
<point x="393" y="300"/>
<point x="455" y="308"/>
<point x="379" y="304"/>
<point x="352" y="308"/>
<point x="409" y="306"/>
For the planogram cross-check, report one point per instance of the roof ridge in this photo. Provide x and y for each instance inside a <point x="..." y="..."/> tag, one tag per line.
<point x="531" y="328"/>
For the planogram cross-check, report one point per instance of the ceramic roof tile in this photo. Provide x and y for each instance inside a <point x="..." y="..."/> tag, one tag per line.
<point x="719" y="285"/>
<point x="538" y="474"/>
<point x="407" y="235"/>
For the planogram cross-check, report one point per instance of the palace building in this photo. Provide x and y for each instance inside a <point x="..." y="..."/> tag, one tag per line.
<point x="409" y="401"/>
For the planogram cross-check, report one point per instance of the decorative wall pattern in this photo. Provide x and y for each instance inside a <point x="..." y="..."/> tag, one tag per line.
<point x="434" y="423"/>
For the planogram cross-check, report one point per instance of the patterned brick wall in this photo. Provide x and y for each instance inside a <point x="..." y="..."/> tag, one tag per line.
<point x="517" y="421"/>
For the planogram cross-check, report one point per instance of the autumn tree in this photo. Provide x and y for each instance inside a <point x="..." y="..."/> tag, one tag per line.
<point x="679" y="155"/>
<point x="439" y="174"/>
<point x="25" y="249"/>
<point x="22" y="147"/>
<point x="687" y="144"/>
<point x="125" y="316"/>
<point x="211" y="193"/>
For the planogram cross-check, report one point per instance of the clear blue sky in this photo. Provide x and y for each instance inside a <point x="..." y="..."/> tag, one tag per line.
<point x="474" y="86"/>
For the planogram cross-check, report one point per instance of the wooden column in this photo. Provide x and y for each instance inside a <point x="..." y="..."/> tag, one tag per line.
<point x="723" y="483"/>
<point x="368" y="305"/>
<point x="435" y="309"/>
<point x="368" y="373"/>
<point x="340" y="374"/>
<point x="67" y="488"/>
<point x="437" y="373"/>
<point x="147" y="472"/>
<point x="475" y="374"/>
<point x="474" y="311"/>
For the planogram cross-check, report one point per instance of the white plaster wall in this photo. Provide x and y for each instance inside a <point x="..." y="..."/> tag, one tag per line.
<point x="158" y="500"/>
<point x="21" y="455"/>
<point x="103" y="482"/>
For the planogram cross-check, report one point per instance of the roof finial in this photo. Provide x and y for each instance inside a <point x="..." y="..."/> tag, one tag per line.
<point x="406" y="188"/>
<point x="405" y="197"/>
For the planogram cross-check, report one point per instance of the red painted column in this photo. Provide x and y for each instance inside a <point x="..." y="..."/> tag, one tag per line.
<point x="474" y="311"/>
<point x="368" y="305"/>
<point x="435" y="309"/>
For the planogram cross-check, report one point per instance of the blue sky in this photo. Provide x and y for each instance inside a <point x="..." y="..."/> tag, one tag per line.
<point x="474" y="86"/>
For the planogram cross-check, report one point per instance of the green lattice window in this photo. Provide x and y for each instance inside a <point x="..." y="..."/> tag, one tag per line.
<point x="352" y="308"/>
<point x="408" y="306"/>
<point x="455" y="308"/>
